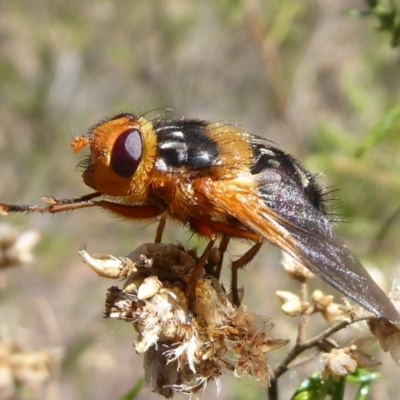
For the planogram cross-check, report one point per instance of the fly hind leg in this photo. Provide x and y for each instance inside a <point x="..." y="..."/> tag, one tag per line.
<point x="240" y="263"/>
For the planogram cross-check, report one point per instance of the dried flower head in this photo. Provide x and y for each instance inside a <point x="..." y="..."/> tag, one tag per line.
<point x="183" y="349"/>
<point x="15" y="247"/>
<point x="341" y="361"/>
<point x="338" y="363"/>
<point x="20" y="368"/>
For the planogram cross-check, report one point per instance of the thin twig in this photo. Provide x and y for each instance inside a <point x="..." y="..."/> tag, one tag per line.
<point x="304" y="360"/>
<point x="301" y="336"/>
<point x="273" y="390"/>
<point x="300" y="347"/>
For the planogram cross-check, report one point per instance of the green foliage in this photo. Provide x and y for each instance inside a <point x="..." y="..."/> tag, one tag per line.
<point x="388" y="15"/>
<point x="318" y="388"/>
<point x="134" y="392"/>
<point x="387" y="126"/>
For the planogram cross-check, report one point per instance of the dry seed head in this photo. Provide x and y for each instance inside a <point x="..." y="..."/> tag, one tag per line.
<point x="182" y="353"/>
<point x="338" y="363"/>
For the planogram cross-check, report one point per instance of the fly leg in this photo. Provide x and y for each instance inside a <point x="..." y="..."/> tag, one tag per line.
<point x="160" y="229"/>
<point x="240" y="263"/>
<point x="223" y="245"/>
<point x="195" y="276"/>
<point x="54" y="205"/>
<point x="210" y="229"/>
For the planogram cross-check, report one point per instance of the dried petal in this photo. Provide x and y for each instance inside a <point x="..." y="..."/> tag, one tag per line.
<point x="150" y="286"/>
<point x="291" y="303"/>
<point x="106" y="265"/>
<point x="388" y="336"/>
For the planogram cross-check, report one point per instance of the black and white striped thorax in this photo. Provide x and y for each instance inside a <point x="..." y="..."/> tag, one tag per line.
<point x="184" y="144"/>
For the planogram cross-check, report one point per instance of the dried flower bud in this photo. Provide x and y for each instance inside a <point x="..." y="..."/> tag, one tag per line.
<point x="291" y="303"/>
<point x="295" y="269"/>
<point x="332" y="312"/>
<point x="106" y="265"/>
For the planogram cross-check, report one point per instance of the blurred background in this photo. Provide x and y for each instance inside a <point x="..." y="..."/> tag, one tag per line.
<point x="319" y="81"/>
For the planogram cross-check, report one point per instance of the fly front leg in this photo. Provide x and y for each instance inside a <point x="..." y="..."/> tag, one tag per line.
<point x="57" y="205"/>
<point x="54" y="205"/>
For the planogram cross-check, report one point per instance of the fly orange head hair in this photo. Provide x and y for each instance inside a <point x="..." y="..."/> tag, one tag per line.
<point x="122" y="155"/>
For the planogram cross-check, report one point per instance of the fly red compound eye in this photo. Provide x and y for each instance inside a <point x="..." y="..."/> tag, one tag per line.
<point x="127" y="153"/>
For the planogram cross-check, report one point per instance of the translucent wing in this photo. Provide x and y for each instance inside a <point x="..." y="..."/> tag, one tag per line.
<point x="271" y="204"/>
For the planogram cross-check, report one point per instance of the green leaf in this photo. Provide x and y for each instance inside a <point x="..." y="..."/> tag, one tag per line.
<point x="317" y="388"/>
<point x="364" y="378"/>
<point x="388" y="124"/>
<point x="337" y="388"/>
<point x="134" y="392"/>
<point x="313" y="388"/>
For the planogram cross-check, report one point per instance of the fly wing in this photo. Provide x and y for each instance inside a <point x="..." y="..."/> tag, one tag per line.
<point x="276" y="208"/>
